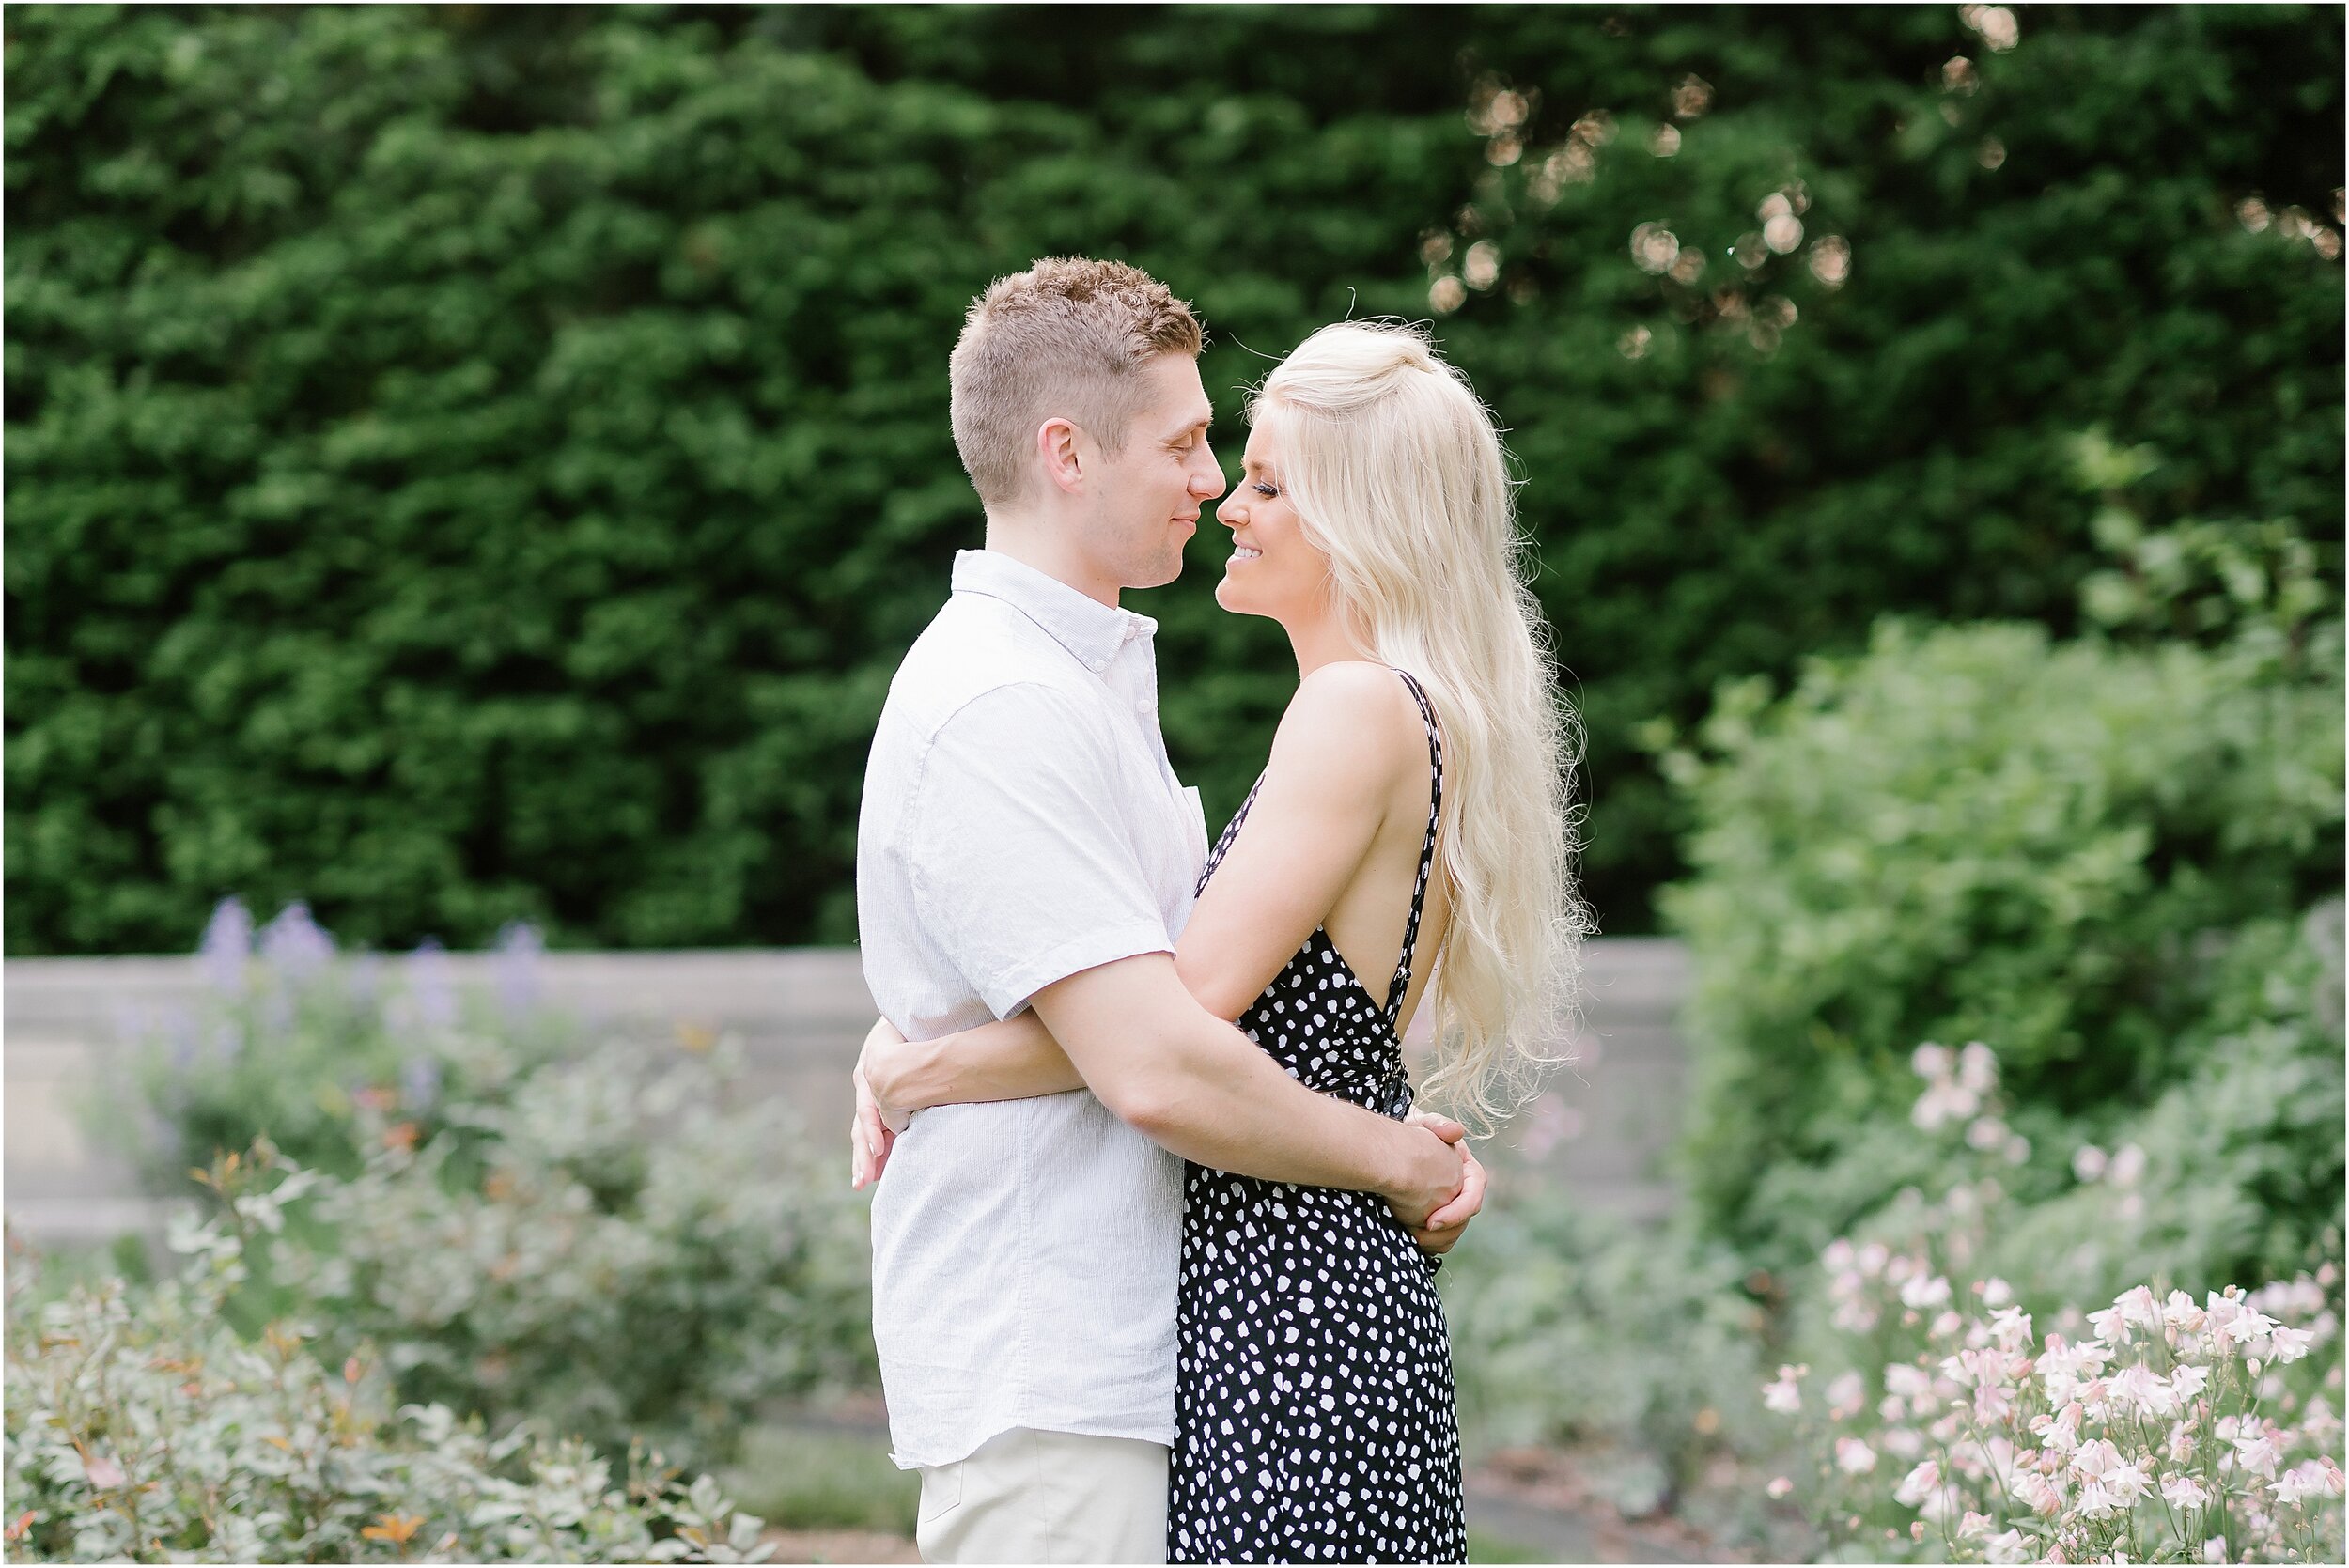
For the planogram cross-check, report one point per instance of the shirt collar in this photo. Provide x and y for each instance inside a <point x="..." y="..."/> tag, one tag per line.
<point x="1084" y="626"/>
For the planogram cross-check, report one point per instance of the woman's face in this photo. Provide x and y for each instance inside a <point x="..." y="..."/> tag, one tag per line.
<point x="1275" y="570"/>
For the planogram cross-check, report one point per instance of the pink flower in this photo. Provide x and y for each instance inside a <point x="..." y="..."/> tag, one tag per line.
<point x="2059" y="1432"/>
<point x="2040" y="1493"/>
<point x="1779" y="1487"/>
<point x="100" y="1471"/>
<point x="1854" y="1457"/>
<point x="1919" y="1485"/>
<point x="1844" y="1396"/>
<point x="2180" y="1311"/>
<point x="2096" y="1457"/>
<point x="2186" y="1383"/>
<point x="1784" y="1396"/>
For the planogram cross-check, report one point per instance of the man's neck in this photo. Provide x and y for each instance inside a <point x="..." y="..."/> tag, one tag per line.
<point x="1035" y="543"/>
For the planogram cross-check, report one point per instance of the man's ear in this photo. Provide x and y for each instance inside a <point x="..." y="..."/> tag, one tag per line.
<point x="1056" y="443"/>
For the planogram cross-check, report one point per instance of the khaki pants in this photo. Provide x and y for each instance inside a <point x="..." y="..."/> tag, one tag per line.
<point x="1046" y="1497"/>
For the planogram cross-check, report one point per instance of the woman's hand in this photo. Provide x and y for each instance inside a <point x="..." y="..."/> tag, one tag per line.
<point x="1448" y="1223"/>
<point x="874" y="1130"/>
<point x="887" y="1061"/>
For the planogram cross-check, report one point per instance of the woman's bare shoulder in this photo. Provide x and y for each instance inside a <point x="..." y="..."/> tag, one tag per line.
<point x="1354" y="716"/>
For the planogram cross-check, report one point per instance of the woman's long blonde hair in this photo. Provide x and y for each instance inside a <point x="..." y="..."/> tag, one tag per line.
<point x="1396" y="471"/>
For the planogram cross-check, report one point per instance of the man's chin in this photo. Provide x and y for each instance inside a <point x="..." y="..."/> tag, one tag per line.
<point x="1158" y="574"/>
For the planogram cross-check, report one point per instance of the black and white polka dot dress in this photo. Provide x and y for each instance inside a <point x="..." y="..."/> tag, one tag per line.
<point x="1314" y="1408"/>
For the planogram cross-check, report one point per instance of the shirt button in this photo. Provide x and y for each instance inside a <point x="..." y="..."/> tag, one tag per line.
<point x="1099" y="665"/>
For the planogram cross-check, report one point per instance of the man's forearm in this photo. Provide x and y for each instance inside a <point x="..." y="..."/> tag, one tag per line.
<point x="1216" y="1097"/>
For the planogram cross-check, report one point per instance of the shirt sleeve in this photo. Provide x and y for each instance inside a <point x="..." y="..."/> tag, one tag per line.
<point x="1023" y="868"/>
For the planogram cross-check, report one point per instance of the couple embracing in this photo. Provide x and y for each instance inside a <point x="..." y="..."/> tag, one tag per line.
<point x="1156" y="1227"/>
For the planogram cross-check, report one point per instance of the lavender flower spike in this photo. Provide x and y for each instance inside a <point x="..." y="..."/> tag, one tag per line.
<point x="293" y="944"/>
<point x="227" y="946"/>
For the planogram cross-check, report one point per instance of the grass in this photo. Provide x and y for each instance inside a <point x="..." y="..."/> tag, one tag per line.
<point x="1491" y="1548"/>
<point x="802" y="1477"/>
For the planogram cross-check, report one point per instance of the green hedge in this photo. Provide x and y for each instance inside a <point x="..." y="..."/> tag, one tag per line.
<point x="467" y="465"/>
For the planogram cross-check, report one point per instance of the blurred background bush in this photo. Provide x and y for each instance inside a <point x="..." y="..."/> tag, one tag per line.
<point x="472" y="464"/>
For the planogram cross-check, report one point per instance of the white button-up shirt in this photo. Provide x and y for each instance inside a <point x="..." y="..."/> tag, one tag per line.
<point x="1021" y="824"/>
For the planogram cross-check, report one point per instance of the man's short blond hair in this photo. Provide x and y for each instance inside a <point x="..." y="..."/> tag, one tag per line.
<point x="1065" y="340"/>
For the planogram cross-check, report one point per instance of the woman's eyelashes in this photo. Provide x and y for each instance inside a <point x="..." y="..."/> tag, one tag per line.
<point x="1265" y="489"/>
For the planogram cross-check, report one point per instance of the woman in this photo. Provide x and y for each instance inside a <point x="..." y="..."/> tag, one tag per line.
<point x="1413" y="806"/>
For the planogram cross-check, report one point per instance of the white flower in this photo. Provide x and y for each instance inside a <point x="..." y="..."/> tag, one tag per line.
<point x="2011" y="1328"/>
<point x="1930" y="1062"/>
<point x="2293" y="1487"/>
<point x="1997" y="1293"/>
<point x="1784" y="1396"/>
<point x="2140" y="1308"/>
<point x="1908" y="1381"/>
<point x="1779" y="1487"/>
<point x="2184" y="1491"/>
<point x="1854" y="1457"/>
<point x="1838" y="1256"/>
<point x="2187" y="1382"/>
<point x="2181" y="1312"/>
<point x="1873" y="1257"/>
<point x="1921" y="1292"/>
<point x="2006" y="1546"/>
<point x="1901" y="1442"/>
<point x="2290" y="1345"/>
<point x="2087" y="1162"/>
<point x="1944" y="1102"/>
<point x="2129" y="1481"/>
<point x="1978" y="1067"/>
<point x="2111" y="1325"/>
<point x="2141" y="1387"/>
<point x="1845" y="1395"/>
<point x="2215" y="1550"/>
<point x="2096" y="1500"/>
<point x="1986" y="1133"/>
<point x="2127" y="1165"/>
<point x="2258" y="1453"/>
<point x="2247" y="1328"/>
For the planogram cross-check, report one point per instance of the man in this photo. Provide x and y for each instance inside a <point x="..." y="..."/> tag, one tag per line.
<point x="1024" y="842"/>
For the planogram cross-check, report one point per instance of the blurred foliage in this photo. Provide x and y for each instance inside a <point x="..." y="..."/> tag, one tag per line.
<point x="2096" y="856"/>
<point x="480" y="464"/>
<point x="527" y="1223"/>
<point x="1635" y="1346"/>
<point x="142" y="1427"/>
